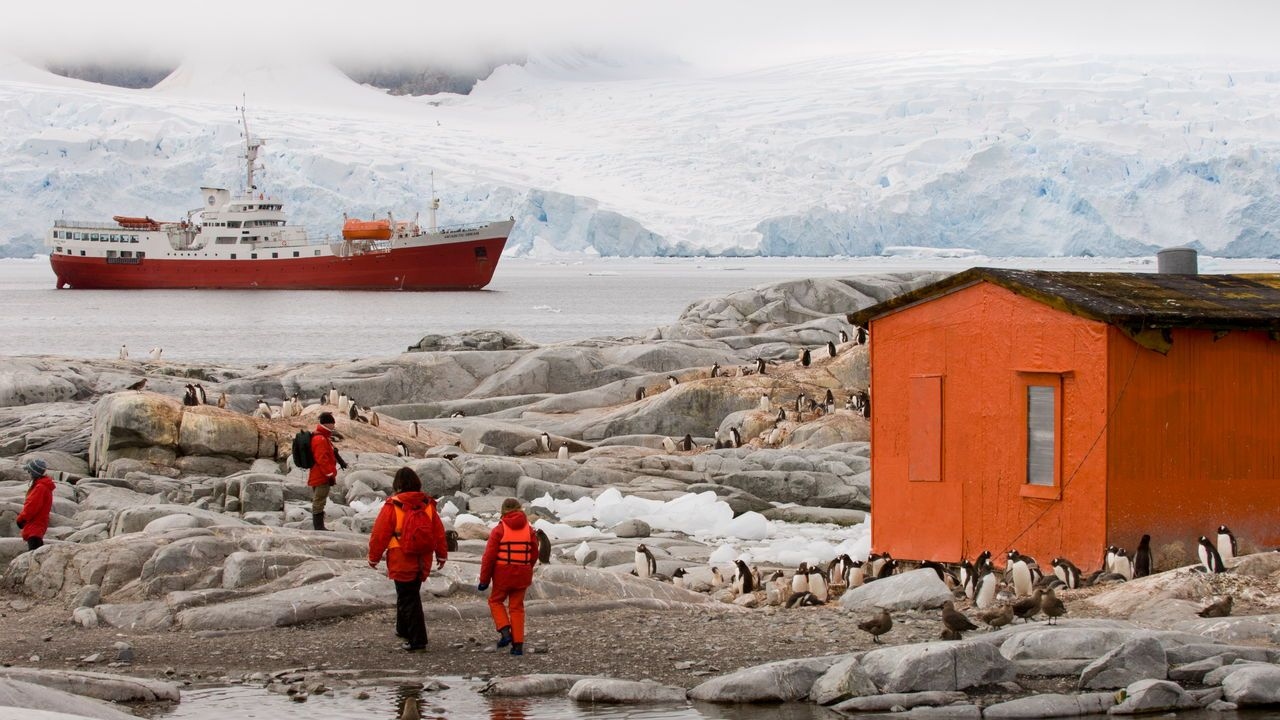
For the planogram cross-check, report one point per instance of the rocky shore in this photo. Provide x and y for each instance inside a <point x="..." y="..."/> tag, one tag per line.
<point x="179" y="547"/>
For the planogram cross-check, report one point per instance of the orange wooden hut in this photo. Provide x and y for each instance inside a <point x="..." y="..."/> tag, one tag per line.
<point x="1061" y="412"/>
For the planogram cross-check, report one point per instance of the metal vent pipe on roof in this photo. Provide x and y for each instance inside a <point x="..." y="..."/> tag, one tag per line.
<point x="1177" y="261"/>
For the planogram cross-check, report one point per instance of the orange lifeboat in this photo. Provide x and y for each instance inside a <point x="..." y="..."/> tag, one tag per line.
<point x="136" y="223"/>
<point x="366" y="230"/>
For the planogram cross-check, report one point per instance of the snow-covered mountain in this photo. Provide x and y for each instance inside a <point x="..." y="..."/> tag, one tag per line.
<point x="843" y="156"/>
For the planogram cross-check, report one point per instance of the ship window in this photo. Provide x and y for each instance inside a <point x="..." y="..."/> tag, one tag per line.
<point x="254" y="256"/>
<point x="317" y="253"/>
<point x="225" y="241"/>
<point x="93" y="236"/>
<point x="275" y="255"/>
<point x="481" y="253"/>
<point x="81" y="253"/>
<point x="133" y="238"/>
<point x="126" y="253"/>
<point x="78" y="237"/>
<point x="59" y="248"/>
<point x="141" y="254"/>
<point x="233" y="256"/>
<point x="295" y="253"/>
<point x="246" y="240"/>
<point x="233" y="223"/>
<point x="111" y="253"/>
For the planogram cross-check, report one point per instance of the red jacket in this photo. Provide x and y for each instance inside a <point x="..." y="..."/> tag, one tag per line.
<point x="326" y="467"/>
<point x="511" y="553"/>
<point x="402" y="567"/>
<point x="35" y="511"/>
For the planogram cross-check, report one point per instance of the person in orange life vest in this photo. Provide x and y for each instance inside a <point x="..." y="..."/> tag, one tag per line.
<point x="508" y="561"/>
<point x="33" y="521"/>
<point x="408" y="571"/>
<point x="324" y="473"/>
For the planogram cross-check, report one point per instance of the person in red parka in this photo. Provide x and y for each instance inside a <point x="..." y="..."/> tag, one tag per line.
<point x="508" y="561"/>
<point x="408" y="571"/>
<point x="33" y="521"/>
<point x="324" y="473"/>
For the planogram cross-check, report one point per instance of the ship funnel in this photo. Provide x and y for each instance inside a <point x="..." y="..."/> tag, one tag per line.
<point x="1177" y="261"/>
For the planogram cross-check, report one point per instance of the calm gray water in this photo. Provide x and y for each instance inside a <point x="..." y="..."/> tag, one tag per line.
<point x="544" y="302"/>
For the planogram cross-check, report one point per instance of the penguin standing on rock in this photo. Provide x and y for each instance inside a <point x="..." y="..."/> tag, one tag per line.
<point x="687" y="443"/>
<point x="563" y="452"/>
<point x="677" y="577"/>
<point x="831" y="349"/>
<point x="402" y="450"/>
<point x="201" y="396"/>
<point x="782" y="416"/>
<point x="263" y="410"/>
<point x="735" y="437"/>
<point x="844" y="337"/>
<point x="544" y="547"/>
<point x="1019" y="573"/>
<point x="800" y="580"/>
<point x="860" y="335"/>
<point x="646" y="566"/>
<point x="764" y="403"/>
<point x="1067" y="572"/>
<point x="639" y="393"/>
<point x="1227" y="547"/>
<point x="985" y="593"/>
<point x="743" y="580"/>
<point x="1209" y="556"/>
<point x="344" y="403"/>
<point x="415" y="428"/>
<point x="760" y="366"/>
<point x="544" y="442"/>
<point x="830" y="403"/>
<point x="672" y="381"/>
<point x="189" y="398"/>
<point x="818" y="584"/>
<point x="124" y="352"/>
<point x="715" y="369"/>
<point x="333" y="395"/>
<point x="1142" y="558"/>
<point x="805" y="358"/>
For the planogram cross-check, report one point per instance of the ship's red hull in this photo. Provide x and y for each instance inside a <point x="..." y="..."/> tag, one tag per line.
<point x="454" y="266"/>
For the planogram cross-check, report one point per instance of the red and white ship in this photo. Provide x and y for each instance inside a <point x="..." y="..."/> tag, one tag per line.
<point x="245" y="242"/>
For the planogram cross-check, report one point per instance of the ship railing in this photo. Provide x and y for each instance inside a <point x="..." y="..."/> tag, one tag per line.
<point x="88" y="225"/>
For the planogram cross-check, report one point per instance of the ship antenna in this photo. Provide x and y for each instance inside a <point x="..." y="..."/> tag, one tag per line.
<point x="435" y="201"/>
<point x="251" y="145"/>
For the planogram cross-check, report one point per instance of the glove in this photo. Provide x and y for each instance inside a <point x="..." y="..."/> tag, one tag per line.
<point x="373" y="564"/>
<point x="342" y="465"/>
<point x="20" y="523"/>
<point x="440" y="564"/>
<point x="482" y="587"/>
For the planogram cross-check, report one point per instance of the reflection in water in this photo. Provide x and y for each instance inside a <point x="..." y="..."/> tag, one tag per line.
<point x="408" y="701"/>
<point x="509" y="709"/>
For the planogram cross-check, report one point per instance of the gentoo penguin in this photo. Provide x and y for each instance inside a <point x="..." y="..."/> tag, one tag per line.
<point x="1067" y="572"/>
<point x="687" y="443"/>
<point x="804" y="599"/>
<point x="1109" y="559"/>
<point x="887" y="568"/>
<point x="333" y="395"/>
<point x="844" y="337"/>
<point x="415" y="428"/>
<point x="222" y="400"/>
<point x="353" y="411"/>
<point x="716" y="578"/>
<point x="800" y="580"/>
<point x="800" y="402"/>
<point x="856" y="575"/>
<point x="1210" y="557"/>
<point x="782" y="415"/>
<point x="668" y="445"/>
<point x="764" y="403"/>
<point x="124" y="352"/>
<point x="451" y="540"/>
<point x="563" y="452"/>
<point x="189" y="397"/>
<point x="985" y="594"/>
<point x="983" y="562"/>
<point x="774" y="438"/>
<point x="743" y="580"/>
<point x="805" y="357"/>
<point x="874" y="561"/>
<point x="1142" y="558"/>
<point x="715" y="369"/>
<point x="862" y="403"/>
<point x="402" y="450"/>
<point x="138" y="385"/>
<point x="203" y="398"/>
<point x="672" y="381"/>
<point x="1227" y="547"/>
<point x="735" y="437"/>
<point x="544" y="547"/>
<point x="457" y="414"/>
<point x="1019" y="574"/>
<point x="155" y="353"/>
<point x="838" y="570"/>
<point x="344" y="403"/>
<point x="848" y="403"/>
<point x="677" y="577"/>
<point x="817" y="584"/>
<point x="860" y="335"/>
<point x="831" y="349"/>
<point x="1123" y="565"/>
<point x="544" y="442"/>
<point x="830" y="402"/>
<point x="760" y="366"/>
<point x="263" y="410"/>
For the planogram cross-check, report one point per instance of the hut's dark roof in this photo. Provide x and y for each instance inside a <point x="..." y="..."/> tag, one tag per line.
<point x="1135" y="302"/>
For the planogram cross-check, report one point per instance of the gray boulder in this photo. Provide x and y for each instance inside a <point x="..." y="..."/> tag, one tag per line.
<point x="842" y="681"/>
<point x="936" y="666"/>
<point x="1253" y="685"/>
<point x="1150" y="696"/>
<point x="801" y="514"/>
<point x="610" y="690"/>
<point x="632" y="528"/>
<point x="781" y="681"/>
<point x="889" y="701"/>
<point x="39" y="699"/>
<point x="916" y="590"/>
<point x="1061" y="643"/>
<point x="1051" y="705"/>
<point x="100" y="686"/>
<point x="1138" y="658"/>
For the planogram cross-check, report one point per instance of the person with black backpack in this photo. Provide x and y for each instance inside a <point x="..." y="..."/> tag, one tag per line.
<point x="323" y="473"/>
<point x="409" y="532"/>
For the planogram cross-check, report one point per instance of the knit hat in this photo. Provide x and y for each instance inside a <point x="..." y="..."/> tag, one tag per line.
<point x="326" y="418"/>
<point x="36" y="467"/>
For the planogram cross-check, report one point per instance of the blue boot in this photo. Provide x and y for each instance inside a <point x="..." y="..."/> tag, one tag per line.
<point x="505" y="640"/>
<point x="517" y="648"/>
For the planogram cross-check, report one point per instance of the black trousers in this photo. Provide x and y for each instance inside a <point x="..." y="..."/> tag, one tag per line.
<point x="33" y="543"/>
<point x="410" y="624"/>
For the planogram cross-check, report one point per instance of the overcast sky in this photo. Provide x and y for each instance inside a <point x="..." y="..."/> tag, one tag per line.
<point x="714" y="33"/>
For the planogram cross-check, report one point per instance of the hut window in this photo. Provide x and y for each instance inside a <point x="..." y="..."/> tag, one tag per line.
<point x="1042" y="432"/>
<point x="924" y="463"/>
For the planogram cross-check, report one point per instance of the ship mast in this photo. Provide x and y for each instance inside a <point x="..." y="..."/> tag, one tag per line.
<point x="251" y="145"/>
<point x="435" y="201"/>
